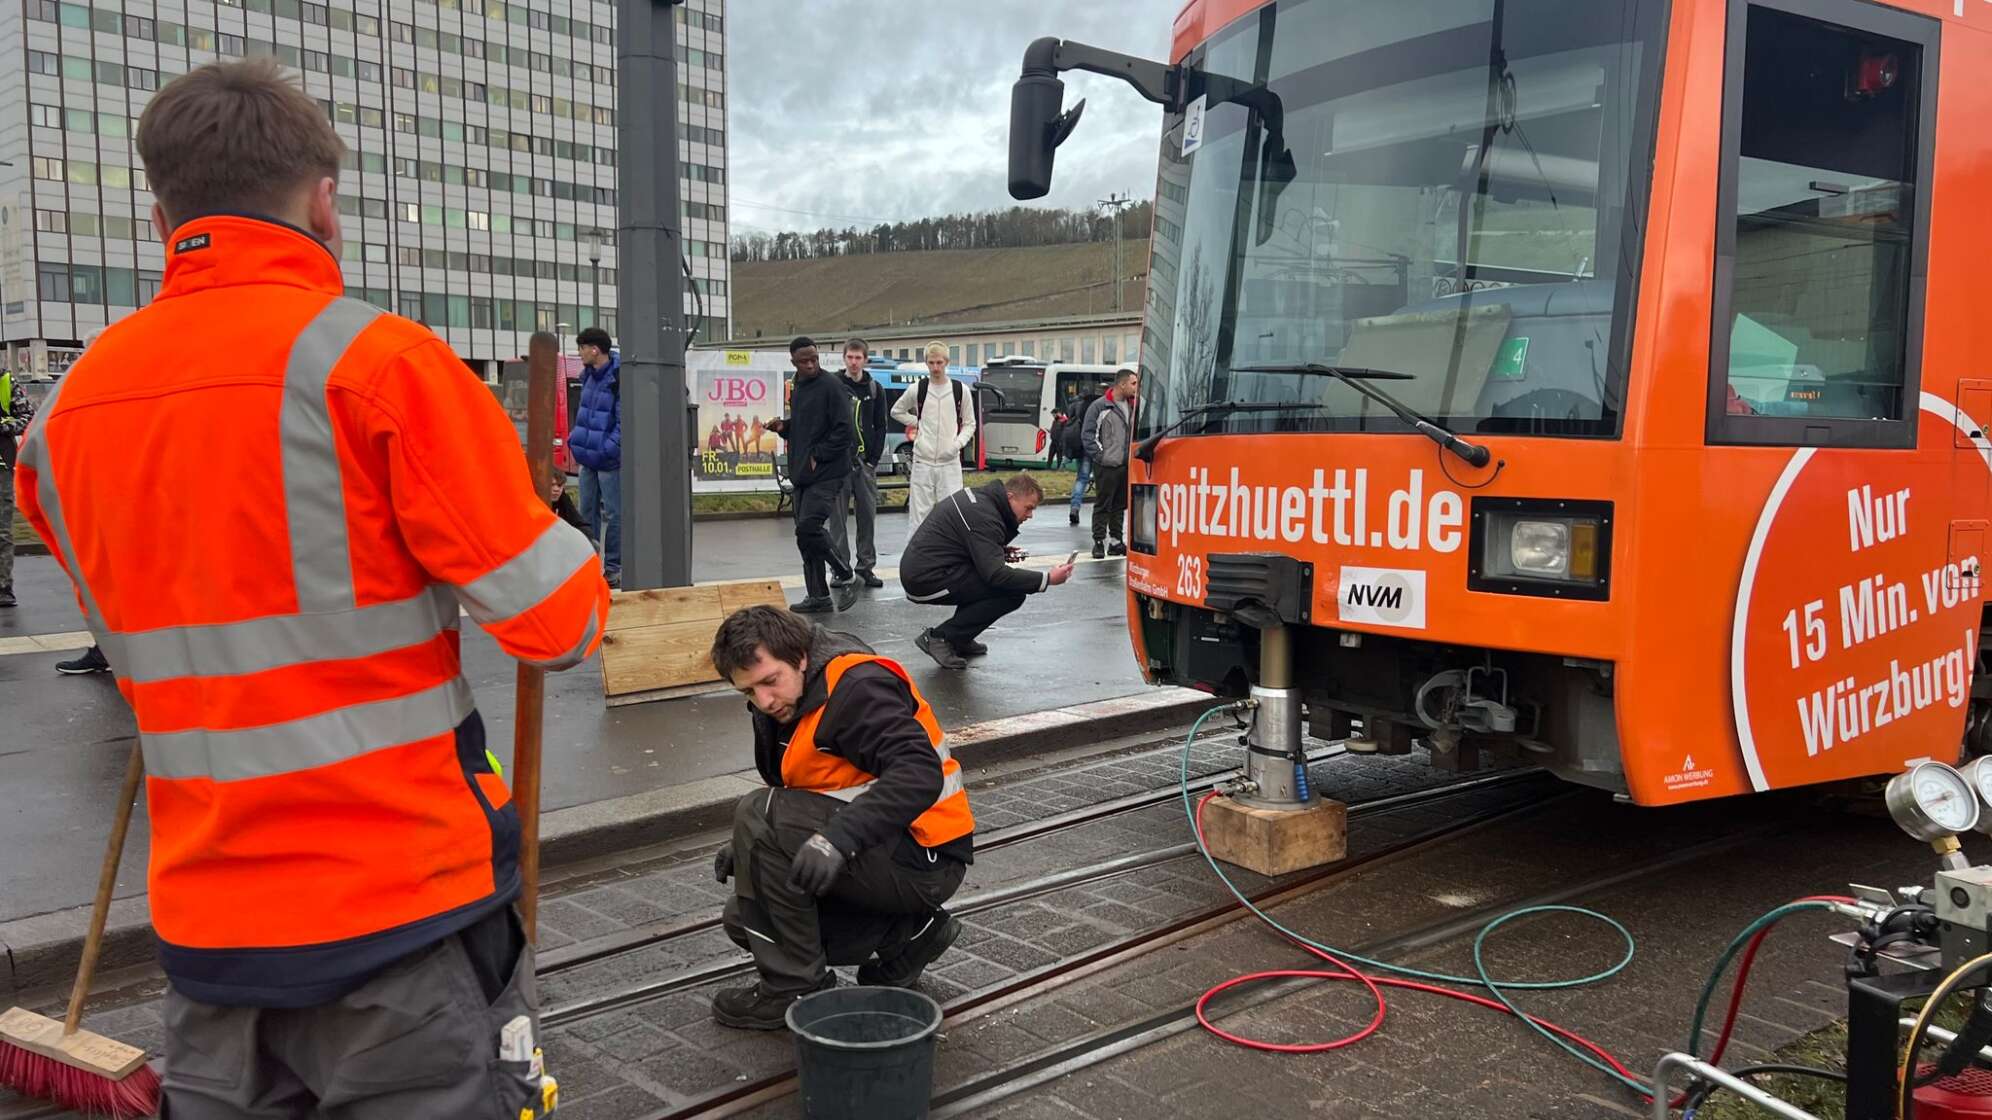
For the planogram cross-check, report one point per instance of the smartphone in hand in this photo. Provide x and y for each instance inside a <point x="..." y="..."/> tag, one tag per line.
<point x="1072" y="557"/>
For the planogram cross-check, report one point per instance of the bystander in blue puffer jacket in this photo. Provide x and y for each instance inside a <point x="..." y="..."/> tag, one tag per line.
<point x="595" y="437"/>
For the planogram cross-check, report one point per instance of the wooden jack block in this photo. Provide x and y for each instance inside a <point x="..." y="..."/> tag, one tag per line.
<point x="1276" y="841"/>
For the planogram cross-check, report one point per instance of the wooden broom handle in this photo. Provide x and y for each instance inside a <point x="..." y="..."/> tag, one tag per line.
<point x="107" y="881"/>
<point x="530" y="695"/>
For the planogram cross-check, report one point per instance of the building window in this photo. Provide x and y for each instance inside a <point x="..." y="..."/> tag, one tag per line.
<point x="148" y="286"/>
<point x="84" y="223"/>
<point x="410" y="211"/>
<point x="86" y="283"/>
<point x="51" y="221"/>
<point x="411" y="305"/>
<point x="52" y="282"/>
<point x="42" y="62"/>
<point x="45" y="116"/>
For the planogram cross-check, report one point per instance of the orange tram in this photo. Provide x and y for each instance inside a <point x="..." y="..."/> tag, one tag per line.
<point x="1603" y="378"/>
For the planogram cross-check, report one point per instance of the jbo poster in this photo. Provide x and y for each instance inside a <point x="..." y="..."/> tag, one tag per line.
<point x="738" y="393"/>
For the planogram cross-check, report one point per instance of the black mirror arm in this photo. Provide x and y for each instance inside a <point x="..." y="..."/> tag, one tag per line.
<point x="1157" y="81"/>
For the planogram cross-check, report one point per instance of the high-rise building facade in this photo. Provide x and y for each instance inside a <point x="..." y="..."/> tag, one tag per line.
<point x="480" y="187"/>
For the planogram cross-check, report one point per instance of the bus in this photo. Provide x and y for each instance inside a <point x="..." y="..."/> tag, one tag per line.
<point x="1596" y="379"/>
<point x="1032" y="394"/>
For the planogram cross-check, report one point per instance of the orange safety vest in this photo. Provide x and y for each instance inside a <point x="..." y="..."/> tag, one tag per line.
<point x="805" y="767"/>
<point x="273" y="502"/>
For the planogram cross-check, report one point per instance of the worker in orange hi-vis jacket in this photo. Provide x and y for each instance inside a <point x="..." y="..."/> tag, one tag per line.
<point x="334" y="852"/>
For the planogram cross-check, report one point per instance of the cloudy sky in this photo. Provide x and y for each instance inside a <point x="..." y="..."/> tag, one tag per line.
<point x="852" y="112"/>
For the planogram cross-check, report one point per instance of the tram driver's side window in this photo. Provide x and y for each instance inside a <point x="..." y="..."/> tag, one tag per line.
<point x="1818" y="283"/>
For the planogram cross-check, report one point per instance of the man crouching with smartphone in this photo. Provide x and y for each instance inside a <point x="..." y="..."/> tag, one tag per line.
<point x="959" y="557"/>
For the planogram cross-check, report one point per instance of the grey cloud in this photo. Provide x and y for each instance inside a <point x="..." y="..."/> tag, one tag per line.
<point x="847" y="112"/>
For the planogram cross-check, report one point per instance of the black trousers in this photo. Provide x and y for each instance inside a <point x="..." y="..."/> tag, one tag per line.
<point x="815" y="505"/>
<point x="977" y="606"/>
<point x="1109" y="501"/>
<point x="876" y="906"/>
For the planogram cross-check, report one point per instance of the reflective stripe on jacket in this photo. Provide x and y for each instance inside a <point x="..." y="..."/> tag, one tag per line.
<point x="805" y="767"/>
<point x="273" y="502"/>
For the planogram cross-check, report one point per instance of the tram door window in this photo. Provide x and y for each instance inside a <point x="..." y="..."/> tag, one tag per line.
<point x="1818" y="292"/>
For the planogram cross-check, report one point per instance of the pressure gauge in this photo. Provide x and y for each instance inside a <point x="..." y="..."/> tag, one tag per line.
<point x="1932" y="801"/>
<point x="1979" y="773"/>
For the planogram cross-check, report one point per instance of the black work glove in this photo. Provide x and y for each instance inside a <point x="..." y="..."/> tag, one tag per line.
<point x="722" y="864"/>
<point x="816" y="866"/>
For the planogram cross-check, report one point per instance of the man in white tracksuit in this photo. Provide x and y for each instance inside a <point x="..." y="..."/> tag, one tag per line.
<point x="940" y="420"/>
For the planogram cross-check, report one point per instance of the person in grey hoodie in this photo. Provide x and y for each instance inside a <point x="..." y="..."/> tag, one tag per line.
<point x="1108" y="435"/>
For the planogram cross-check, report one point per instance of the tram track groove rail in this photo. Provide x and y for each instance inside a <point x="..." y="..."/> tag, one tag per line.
<point x="649" y="991"/>
<point x="555" y="961"/>
<point x="736" y="1099"/>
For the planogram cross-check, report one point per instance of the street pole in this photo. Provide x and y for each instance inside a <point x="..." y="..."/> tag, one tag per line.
<point x="656" y="467"/>
<point x="1114" y="203"/>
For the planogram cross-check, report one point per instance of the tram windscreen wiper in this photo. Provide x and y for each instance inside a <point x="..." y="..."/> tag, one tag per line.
<point x="1358" y="378"/>
<point x="1146" y="451"/>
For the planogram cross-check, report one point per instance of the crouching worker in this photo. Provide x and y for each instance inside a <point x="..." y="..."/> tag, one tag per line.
<point x="960" y="557"/>
<point x="864" y="831"/>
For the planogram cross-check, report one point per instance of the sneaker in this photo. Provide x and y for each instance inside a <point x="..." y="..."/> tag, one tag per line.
<point x="1117" y="549"/>
<point x="937" y="647"/>
<point x="7" y="597"/>
<point x="92" y="661"/>
<point x="844" y="581"/>
<point x="870" y="578"/>
<point x="926" y="947"/>
<point x="1075" y="517"/>
<point x="614" y="580"/>
<point x="844" y="595"/>
<point x="971" y="649"/>
<point x="1099" y="550"/>
<point x="754" y="1008"/>
<point x="814" y="604"/>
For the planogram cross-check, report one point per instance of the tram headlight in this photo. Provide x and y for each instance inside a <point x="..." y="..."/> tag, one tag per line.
<point x="1536" y="547"/>
<point x="1540" y="548"/>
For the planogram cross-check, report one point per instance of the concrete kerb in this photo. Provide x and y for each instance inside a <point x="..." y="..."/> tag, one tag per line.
<point x="41" y="951"/>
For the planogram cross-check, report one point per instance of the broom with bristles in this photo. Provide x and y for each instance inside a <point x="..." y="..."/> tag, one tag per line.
<point x="74" y="1068"/>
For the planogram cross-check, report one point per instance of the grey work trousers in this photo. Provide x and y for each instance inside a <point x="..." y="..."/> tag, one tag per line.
<point x="875" y="907"/>
<point x="419" y="1039"/>
<point x="861" y="494"/>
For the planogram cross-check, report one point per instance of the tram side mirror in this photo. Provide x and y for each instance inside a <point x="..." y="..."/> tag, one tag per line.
<point x="1277" y="171"/>
<point x="1037" y="127"/>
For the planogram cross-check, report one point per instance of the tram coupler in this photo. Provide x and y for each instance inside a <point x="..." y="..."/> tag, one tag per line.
<point x="1271" y="822"/>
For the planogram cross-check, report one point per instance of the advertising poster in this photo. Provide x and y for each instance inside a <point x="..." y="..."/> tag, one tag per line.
<point x="737" y="392"/>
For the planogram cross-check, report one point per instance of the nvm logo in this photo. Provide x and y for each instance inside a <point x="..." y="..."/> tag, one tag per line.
<point x="1382" y="598"/>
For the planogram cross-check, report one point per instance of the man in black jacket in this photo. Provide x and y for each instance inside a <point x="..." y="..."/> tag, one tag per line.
<point x="821" y="444"/>
<point x="871" y="410"/>
<point x="864" y="831"/>
<point x="960" y="557"/>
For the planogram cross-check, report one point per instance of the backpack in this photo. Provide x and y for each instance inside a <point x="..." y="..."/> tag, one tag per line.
<point x="1074" y="435"/>
<point x="920" y="405"/>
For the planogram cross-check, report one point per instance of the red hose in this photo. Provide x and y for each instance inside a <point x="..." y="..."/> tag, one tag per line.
<point x="1375" y="986"/>
<point x="1743" y="977"/>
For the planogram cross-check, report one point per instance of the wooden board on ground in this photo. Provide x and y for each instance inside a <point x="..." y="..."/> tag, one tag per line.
<point x="658" y="643"/>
